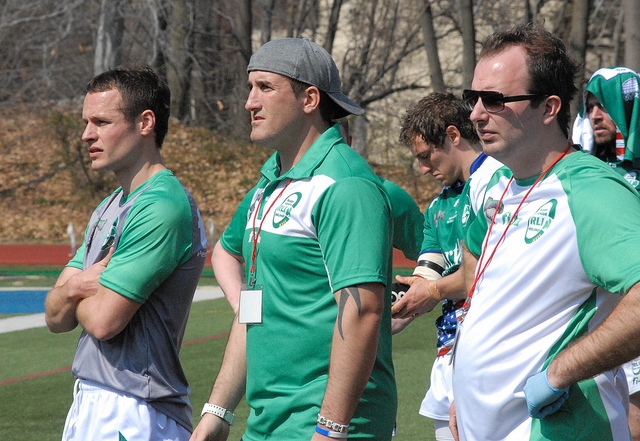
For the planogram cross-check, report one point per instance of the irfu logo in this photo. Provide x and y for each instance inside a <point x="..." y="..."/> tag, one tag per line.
<point x="281" y="215"/>
<point x="540" y="221"/>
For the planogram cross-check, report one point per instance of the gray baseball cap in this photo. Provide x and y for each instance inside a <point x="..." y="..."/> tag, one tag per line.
<point x="307" y="62"/>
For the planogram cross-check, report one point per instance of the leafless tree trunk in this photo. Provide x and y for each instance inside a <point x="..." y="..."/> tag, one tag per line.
<point x="468" y="42"/>
<point x="617" y="36"/>
<point x="108" y="53"/>
<point x="431" y="48"/>
<point x="631" y="10"/>
<point x="333" y="25"/>
<point x="531" y="10"/>
<point x="243" y="27"/>
<point x="157" y="40"/>
<point x="577" y="44"/>
<point x="179" y="56"/>
<point x="267" y="17"/>
<point x="528" y="16"/>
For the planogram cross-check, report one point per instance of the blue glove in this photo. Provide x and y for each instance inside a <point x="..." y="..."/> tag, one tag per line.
<point x="542" y="398"/>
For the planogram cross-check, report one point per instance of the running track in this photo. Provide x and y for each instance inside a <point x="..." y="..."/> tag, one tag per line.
<point x="58" y="255"/>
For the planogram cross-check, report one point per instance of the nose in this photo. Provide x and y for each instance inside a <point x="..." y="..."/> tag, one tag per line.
<point x="478" y="113"/>
<point x="596" y="113"/>
<point x="425" y="166"/>
<point x="89" y="133"/>
<point x="252" y="102"/>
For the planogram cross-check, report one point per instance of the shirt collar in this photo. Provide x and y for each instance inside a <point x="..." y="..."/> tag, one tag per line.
<point x="309" y="161"/>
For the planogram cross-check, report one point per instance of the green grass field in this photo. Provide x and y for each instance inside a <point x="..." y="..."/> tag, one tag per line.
<point x="36" y="383"/>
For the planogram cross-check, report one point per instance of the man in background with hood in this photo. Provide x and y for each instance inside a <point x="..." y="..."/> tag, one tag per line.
<point x="607" y="127"/>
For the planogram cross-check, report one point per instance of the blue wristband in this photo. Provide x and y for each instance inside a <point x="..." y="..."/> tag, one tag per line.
<point x="330" y="433"/>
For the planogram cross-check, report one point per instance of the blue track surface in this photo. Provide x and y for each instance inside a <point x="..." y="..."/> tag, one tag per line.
<point x="22" y="301"/>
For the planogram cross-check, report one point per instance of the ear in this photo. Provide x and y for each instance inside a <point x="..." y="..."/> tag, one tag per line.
<point x="453" y="134"/>
<point x="147" y="122"/>
<point x="311" y="97"/>
<point x="551" y="106"/>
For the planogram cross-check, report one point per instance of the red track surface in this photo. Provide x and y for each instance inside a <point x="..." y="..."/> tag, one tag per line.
<point x="55" y="255"/>
<point x="59" y="255"/>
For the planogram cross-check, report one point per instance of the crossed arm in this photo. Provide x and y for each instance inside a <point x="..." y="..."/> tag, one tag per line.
<point x="78" y="298"/>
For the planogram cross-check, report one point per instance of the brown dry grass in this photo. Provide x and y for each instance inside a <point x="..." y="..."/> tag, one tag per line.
<point x="45" y="182"/>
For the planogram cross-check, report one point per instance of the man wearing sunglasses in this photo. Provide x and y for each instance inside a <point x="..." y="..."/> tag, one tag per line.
<point x="551" y="260"/>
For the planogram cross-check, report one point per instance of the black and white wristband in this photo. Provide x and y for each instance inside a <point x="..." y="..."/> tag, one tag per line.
<point x="219" y="411"/>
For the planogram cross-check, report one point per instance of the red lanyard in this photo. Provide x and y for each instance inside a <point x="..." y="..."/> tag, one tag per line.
<point x="480" y="273"/>
<point x="256" y="234"/>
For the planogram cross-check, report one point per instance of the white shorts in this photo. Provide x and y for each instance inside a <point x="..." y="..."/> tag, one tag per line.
<point x="101" y="413"/>
<point x="632" y="371"/>
<point x="443" y="433"/>
<point x="438" y="399"/>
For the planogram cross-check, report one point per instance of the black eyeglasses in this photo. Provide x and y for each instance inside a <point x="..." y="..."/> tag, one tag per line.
<point x="493" y="102"/>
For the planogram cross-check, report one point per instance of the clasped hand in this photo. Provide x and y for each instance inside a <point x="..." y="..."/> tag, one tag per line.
<point x="418" y="300"/>
<point x="85" y="284"/>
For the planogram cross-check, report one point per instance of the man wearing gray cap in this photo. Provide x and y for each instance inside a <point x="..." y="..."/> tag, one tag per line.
<point x="308" y="251"/>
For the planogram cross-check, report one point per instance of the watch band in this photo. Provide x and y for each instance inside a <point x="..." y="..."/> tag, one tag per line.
<point x="332" y="425"/>
<point x="219" y="412"/>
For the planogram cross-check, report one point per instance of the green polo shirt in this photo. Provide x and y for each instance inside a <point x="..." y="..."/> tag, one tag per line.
<point x="324" y="225"/>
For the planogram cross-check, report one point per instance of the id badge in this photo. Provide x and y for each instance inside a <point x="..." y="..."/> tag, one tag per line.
<point x="250" y="310"/>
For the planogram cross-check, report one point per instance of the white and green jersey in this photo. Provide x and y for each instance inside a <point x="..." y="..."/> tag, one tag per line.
<point x="445" y="224"/>
<point x="566" y="258"/>
<point x="324" y="225"/>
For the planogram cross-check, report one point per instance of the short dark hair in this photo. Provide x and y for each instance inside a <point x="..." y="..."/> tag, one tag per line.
<point x="141" y="89"/>
<point x="328" y="108"/>
<point x="430" y="117"/>
<point x="551" y="70"/>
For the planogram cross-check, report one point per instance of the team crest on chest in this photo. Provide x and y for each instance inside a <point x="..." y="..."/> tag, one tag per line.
<point x="283" y="211"/>
<point x="111" y="237"/>
<point x="540" y="221"/>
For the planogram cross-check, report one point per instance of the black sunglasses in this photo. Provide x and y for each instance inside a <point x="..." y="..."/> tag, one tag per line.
<point x="493" y="102"/>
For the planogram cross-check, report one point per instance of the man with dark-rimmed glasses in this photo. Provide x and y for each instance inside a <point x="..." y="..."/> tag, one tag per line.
<point x="493" y="101"/>
<point x="549" y="264"/>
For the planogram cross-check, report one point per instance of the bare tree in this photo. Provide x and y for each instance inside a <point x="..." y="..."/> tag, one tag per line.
<point x="179" y="53"/>
<point x="332" y="27"/>
<point x="631" y="10"/>
<point x="51" y="47"/>
<point x="431" y="48"/>
<point x="108" y="52"/>
<point x="267" y="18"/>
<point x="384" y="34"/>
<point x="577" y="44"/>
<point x="468" y="41"/>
